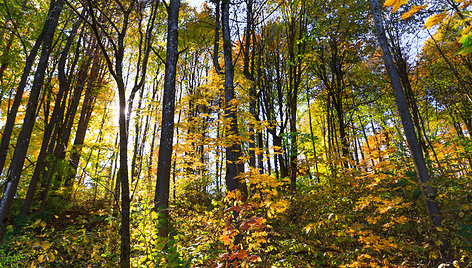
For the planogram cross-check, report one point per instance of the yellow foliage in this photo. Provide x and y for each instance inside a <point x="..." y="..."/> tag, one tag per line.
<point x="396" y="4"/>
<point x="413" y="11"/>
<point x="435" y="19"/>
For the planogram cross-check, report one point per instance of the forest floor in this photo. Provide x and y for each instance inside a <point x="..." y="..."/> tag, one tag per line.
<point x="337" y="226"/>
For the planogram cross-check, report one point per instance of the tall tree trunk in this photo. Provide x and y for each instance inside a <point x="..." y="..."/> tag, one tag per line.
<point x="161" y="200"/>
<point x="94" y="82"/>
<point x="123" y="175"/>
<point x="53" y="122"/>
<point x="233" y="152"/>
<point x="19" y="155"/>
<point x="64" y="134"/>
<point x="428" y="191"/>
<point x="248" y="38"/>
<point x="216" y="43"/>
<point x="66" y="128"/>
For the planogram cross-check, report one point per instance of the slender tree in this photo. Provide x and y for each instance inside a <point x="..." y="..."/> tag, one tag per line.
<point x="161" y="200"/>
<point x="429" y="193"/>
<point x="233" y="151"/>
<point x="22" y="144"/>
<point x="53" y="122"/>
<point x="115" y="35"/>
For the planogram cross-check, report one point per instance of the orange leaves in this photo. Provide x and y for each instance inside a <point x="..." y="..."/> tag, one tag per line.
<point x="238" y="208"/>
<point x="239" y="255"/>
<point x="466" y="3"/>
<point x="244" y="235"/>
<point x="228" y="237"/>
<point x="251" y="222"/>
<point x="431" y="21"/>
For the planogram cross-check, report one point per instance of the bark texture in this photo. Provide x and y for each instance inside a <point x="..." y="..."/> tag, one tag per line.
<point x="233" y="152"/>
<point x="167" y="124"/>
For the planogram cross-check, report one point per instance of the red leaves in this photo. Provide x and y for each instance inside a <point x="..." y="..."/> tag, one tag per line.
<point x="238" y="208"/>
<point x="254" y="221"/>
<point x="239" y="256"/>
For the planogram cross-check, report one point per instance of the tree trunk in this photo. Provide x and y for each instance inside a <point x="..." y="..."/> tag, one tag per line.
<point x="428" y="191"/>
<point x="233" y="152"/>
<point x="248" y="38"/>
<point x="216" y="43"/>
<point x="312" y="135"/>
<point x="53" y="122"/>
<point x="85" y="115"/>
<point x="19" y="155"/>
<point x="161" y="200"/>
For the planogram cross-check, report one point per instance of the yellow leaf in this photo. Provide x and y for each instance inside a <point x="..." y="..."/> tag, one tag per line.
<point x="396" y="4"/>
<point x="435" y="19"/>
<point x="45" y="245"/>
<point x="41" y="259"/>
<point x="412" y="11"/>
<point x="384" y="209"/>
<point x="466" y="30"/>
<point x="389" y="3"/>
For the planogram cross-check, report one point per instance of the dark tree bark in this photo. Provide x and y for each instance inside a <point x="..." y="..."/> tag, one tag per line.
<point x="19" y="155"/>
<point x="53" y="122"/>
<point x="429" y="193"/>
<point x="161" y="200"/>
<point x="233" y="152"/>
<point x="248" y="36"/>
<point x="216" y="44"/>
<point x="116" y="70"/>
<point x="66" y="128"/>
<point x="86" y="113"/>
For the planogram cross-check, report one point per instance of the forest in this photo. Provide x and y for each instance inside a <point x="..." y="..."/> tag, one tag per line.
<point x="235" y="133"/>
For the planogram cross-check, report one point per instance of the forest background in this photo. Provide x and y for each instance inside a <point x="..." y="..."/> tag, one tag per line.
<point x="251" y="133"/>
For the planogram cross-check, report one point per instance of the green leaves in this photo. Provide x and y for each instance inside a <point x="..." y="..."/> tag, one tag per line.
<point x="466" y="41"/>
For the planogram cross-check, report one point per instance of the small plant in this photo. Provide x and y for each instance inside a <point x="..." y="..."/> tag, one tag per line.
<point x="10" y="258"/>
